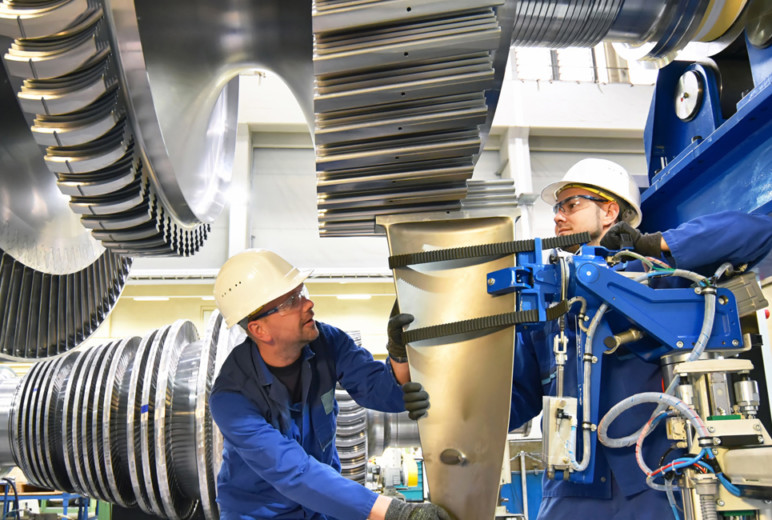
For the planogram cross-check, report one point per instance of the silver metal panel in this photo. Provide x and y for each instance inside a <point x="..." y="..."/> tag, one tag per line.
<point x="58" y="421"/>
<point x="42" y="423"/>
<point x="204" y="429"/>
<point x="9" y="383"/>
<point x="174" y="502"/>
<point x="132" y="388"/>
<point x="147" y="426"/>
<point x="70" y="413"/>
<point x="96" y="403"/>
<point x="84" y="441"/>
<point x="470" y="420"/>
<point x="26" y="440"/>
<point x="114" y="423"/>
<point x="47" y="18"/>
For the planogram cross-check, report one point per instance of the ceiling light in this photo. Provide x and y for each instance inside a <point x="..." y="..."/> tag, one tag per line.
<point x="150" y="298"/>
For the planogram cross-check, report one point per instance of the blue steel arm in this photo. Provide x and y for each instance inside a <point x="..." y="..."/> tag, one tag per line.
<point x="673" y="317"/>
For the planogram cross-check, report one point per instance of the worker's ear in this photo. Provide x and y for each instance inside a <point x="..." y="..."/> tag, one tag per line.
<point x="257" y="330"/>
<point x="610" y="214"/>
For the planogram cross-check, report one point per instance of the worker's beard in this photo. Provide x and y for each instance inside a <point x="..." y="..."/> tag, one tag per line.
<point x="596" y="232"/>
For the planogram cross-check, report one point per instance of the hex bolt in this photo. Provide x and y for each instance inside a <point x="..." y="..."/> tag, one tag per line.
<point x="679" y="344"/>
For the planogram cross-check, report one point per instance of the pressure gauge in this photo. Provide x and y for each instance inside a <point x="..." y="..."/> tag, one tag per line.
<point x="688" y="95"/>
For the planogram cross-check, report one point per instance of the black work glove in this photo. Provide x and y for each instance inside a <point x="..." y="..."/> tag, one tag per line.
<point x="416" y="400"/>
<point x="396" y="345"/>
<point x="623" y="235"/>
<point x="399" y="510"/>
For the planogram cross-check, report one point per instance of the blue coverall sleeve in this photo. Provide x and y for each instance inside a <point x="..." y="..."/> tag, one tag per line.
<point x="369" y="382"/>
<point x="527" y="390"/>
<point x="704" y="243"/>
<point x="285" y="465"/>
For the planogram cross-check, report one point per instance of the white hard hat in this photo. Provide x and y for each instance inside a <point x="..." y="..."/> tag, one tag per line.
<point x="250" y="279"/>
<point x="608" y="178"/>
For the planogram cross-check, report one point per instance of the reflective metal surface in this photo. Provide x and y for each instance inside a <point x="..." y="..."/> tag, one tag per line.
<point x="46" y="314"/>
<point x="405" y="94"/>
<point x="136" y="104"/>
<point x="643" y="30"/>
<point x="51" y="267"/>
<point x="464" y="434"/>
<point x="9" y="382"/>
<point x="37" y="227"/>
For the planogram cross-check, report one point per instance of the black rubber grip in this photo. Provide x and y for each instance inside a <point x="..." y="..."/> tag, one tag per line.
<point x="496" y="249"/>
<point x="487" y="322"/>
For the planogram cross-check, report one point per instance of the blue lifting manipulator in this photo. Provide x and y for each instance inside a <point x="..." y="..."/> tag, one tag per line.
<point x="619" y="303"/>
<point x="613" y="310"/>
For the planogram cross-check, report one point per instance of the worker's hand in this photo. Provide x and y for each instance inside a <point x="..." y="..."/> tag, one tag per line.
<point x="623" y="235"/>
<point x="416" y="399"/>
<point x="396" y="345"/>
<point x="399" y="510"/>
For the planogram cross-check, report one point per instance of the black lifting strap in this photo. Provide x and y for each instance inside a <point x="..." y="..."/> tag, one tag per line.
<point x="488" y="322"/>
<point x="497" y="249"/>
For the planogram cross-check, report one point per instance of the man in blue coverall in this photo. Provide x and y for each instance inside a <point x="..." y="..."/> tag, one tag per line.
<point x="599" y="197"/>
<point x="274" y="401"/>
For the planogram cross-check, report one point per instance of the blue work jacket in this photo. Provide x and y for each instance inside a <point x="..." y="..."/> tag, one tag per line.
<point x="279" y="458"/>
<point x="699" y="245"/>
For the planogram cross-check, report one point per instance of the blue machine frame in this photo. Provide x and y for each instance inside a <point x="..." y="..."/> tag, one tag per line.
<point x="672" y="317"/>
<point x="708" y="164"/>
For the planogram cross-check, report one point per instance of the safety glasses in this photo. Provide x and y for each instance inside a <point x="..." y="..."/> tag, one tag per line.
<point x="571" y="205"/>
<point x="293" y="301"/>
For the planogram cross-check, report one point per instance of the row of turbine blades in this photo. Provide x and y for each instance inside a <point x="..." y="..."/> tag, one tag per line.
<point x="45" y="314"/>
<point x="63" y="66"/>
<point x="404" y="97"/>
<point x="127" y="422"/>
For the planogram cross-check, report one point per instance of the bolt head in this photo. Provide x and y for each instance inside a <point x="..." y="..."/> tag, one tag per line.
<point x="491" y="281"/>
<point x="679" y="344"/>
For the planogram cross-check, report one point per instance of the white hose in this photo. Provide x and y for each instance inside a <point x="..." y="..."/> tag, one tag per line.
<point x="648" y="397"/>
<point x="587" y="382"/>
<point x="699" y="348"/>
